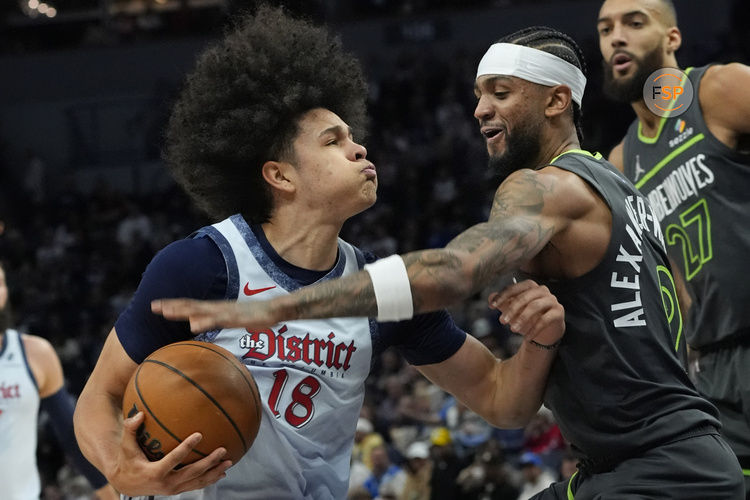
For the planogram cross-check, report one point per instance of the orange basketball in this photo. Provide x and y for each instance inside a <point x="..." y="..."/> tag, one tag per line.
<point x="189" y="387"/>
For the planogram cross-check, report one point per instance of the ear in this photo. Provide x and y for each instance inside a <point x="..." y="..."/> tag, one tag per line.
<point x="674" y="39"/>
<point x="279" y="175"/>
<point x="559" y="99"/>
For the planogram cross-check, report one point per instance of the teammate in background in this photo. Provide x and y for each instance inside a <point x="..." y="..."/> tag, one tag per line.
<point x="695" y="171"/>
<point x="262" y="130"/>
<point x="31" y="378"/>
<point x="618" y="389"/>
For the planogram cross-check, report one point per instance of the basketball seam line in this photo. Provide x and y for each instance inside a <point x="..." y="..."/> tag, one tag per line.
<point x="211" y="398"/>
<point x="256" y="392"/>
<point x="156" y="419"/>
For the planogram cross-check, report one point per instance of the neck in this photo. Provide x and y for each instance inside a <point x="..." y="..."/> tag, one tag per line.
<point x="649" y="121"/>
<point x="556" y="144"/>
<point x="303" y="242"/>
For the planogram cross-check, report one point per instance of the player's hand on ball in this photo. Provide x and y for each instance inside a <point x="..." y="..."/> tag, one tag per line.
<point x="531" y="310"/>
<point x="206" y="315"/>
<point x="134" y="475"/>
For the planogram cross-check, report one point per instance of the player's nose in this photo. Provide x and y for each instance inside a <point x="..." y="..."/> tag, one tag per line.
<point x="483" y="109"/>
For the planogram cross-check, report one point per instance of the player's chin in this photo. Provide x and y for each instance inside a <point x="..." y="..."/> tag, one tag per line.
<point x="496" y="150"/>
<point x="368" y="195"/>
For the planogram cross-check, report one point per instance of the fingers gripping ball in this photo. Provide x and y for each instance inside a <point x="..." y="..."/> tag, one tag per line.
<point x="189" y="387"/>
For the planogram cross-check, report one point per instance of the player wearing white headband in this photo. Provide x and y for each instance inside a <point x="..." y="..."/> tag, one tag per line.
<point x="618" y="388"/>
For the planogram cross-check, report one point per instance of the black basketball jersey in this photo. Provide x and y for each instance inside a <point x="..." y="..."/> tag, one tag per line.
<point x="619" y="383"/>
<point x="697" y="187"/>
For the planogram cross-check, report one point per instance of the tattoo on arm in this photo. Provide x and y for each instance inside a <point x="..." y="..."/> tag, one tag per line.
<point x="348" y="296"/>
<point x="516" y="231"/>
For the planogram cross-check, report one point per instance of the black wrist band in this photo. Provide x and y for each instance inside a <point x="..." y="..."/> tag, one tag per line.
<point x="550" y="347"/>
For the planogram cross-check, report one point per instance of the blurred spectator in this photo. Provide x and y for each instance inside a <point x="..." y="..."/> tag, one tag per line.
<point x="536" y="477"/>
<point x="134" y="228"/>
<point x="467" y="428"/>
<point x="446" y="466"/>
<point x="385" y="475"/>
<point x="365" y="440"/>
<point x="358" y="474"/>
<point x="489" y="476"/>
<point x="542" y="436"/>
<point x="418" y="470"/>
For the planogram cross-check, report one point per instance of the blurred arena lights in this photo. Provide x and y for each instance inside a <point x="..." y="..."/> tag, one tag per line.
<point x="33" y="8"/>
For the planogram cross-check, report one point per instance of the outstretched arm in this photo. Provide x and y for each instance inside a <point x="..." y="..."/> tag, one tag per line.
<point x="525" y="215"/>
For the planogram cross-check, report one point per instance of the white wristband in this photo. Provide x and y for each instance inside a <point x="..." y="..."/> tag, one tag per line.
<point x="392" y="289"/>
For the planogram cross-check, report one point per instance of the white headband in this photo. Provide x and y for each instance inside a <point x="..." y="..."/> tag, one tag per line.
<point x="532" y="65"/>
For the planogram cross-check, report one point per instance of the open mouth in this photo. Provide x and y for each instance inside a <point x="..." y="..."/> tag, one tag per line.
<point x="492" y="133"/>
<point x="621" y="61"/>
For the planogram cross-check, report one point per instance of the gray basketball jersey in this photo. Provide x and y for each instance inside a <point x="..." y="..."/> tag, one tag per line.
<point x="19" y="407"/>
<point x="310" y="376"/>
<point x="619" y="383"/>
<point x="697" y="188"/>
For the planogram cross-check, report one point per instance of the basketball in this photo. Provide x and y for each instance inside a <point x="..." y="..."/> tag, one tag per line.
<point x="189" y="387"/>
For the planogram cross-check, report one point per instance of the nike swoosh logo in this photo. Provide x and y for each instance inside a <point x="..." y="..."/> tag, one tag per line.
<point x="252" y="291"/>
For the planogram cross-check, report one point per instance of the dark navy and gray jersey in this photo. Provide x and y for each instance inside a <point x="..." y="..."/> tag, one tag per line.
<point x="697" y="188"/>
<point x="619" y="384"/>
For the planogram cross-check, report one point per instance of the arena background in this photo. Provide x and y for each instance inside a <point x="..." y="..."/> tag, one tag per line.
<point x="85" y="201"/>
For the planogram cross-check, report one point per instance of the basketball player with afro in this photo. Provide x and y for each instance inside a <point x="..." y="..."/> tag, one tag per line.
<point x="263" y="137"/>
<point x="618" y="388"/>
<point x="707" y="150"/>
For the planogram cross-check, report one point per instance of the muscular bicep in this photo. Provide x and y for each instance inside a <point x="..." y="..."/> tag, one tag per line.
<point x="528" y="210"/>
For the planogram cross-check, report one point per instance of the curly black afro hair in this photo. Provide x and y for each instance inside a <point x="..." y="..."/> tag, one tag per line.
<point x="241" y="105"/>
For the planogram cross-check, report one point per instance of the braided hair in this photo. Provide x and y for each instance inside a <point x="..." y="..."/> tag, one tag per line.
<point x="558" y="44"/>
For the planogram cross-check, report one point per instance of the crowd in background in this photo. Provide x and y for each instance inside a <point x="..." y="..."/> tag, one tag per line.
<point x="74" y="259"/>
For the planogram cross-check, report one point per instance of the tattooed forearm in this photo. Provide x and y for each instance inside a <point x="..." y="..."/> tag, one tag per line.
<point x="440" y="273"/>
<point x="349" y="296"/>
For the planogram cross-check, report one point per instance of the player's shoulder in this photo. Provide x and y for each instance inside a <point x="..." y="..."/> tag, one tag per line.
<point x="187" y="253"/>
<point x="37" y="347"/>
<point x="724" y="73"/>
<point x="570" y="177"/>
<point x="44" y="363"/>
<point x="721" y="81"/>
